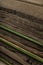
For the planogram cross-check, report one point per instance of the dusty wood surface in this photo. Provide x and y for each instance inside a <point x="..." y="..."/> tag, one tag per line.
<point x="23" y="7"/>
<point x="13" y="55"/>
<point x="22" y="45"/>
<point x="26" y="18"/>
<point x="30" y="27"/>
<point x="13" y="62"/>
<point x="34" y="1"/>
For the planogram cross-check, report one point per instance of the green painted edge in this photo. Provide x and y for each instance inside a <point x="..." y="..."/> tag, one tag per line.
<point x="6" y="62"/>
<point x="21" y="35"/>
<point x="22" y="50"/>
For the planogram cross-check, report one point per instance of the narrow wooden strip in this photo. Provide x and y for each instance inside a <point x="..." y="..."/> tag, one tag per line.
<point x="21" y="35"/>
<point x="13" y="55"/>
<point x="22" y="50"/>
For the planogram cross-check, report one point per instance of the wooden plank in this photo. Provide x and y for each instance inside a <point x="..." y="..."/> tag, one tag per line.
<point x="23" y="7"/>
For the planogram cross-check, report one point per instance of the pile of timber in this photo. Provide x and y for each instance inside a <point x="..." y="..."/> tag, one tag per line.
<point x="21" y="32"/>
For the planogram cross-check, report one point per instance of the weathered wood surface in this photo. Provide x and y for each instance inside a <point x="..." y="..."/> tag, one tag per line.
<point x="32" y="1"/>
<point x="30" y="27"/>
<point x="26" y="17"/>
<point x="34" y="48"/>
<point x="24" y="7"/>
<point x="14" y="62"/>
<point x="13" y="55"/>
<point x="40" y="2"/>
<point x="10" y="60"/>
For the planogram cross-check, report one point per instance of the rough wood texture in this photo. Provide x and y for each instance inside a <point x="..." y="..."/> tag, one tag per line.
<point x="24" y="7"/>
<point x="32" y="27"/>
<point x="26" y="17"/>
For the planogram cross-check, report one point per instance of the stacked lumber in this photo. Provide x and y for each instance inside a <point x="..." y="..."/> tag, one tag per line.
<point x="21" y="32"/>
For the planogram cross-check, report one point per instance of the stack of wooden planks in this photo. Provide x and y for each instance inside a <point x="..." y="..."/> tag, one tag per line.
<point x="21" y="32"/>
